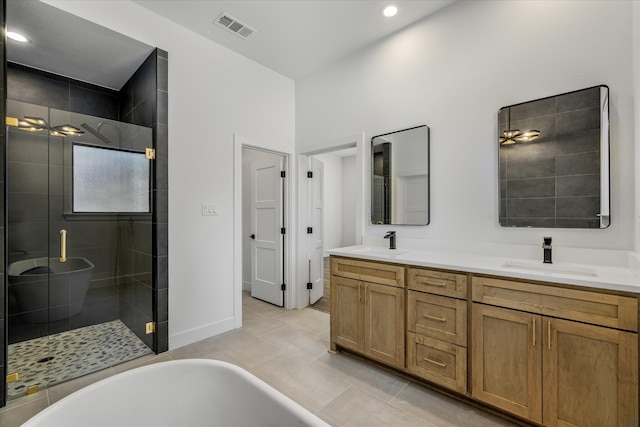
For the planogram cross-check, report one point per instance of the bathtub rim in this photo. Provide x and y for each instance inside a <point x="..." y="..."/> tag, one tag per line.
<point x="305" y="415"/>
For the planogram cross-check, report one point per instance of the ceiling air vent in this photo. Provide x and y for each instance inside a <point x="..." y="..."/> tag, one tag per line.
<point x="231" y="24"/>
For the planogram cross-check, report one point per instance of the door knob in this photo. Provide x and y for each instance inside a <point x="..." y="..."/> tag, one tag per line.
<point x="253" y="236"/>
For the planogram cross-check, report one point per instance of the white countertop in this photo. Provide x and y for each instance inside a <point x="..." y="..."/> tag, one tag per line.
<point x="593" y="276"/>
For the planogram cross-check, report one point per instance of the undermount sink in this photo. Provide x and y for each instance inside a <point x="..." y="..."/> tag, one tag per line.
<point x="379" y="251"/>
<point x="550" y="268"/>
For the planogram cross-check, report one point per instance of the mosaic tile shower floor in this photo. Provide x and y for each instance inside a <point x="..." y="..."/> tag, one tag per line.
<point x="57" y="358"/>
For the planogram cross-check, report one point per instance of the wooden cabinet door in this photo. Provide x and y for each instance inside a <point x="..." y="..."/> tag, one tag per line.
<point x="347" y="313"/>
<point x="384" y="323"/>
<point x="506" y="360"/>
<point x="590" y="375"/>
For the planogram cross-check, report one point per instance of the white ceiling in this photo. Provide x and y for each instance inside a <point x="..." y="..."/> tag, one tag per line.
<point x="293" y="37"/>
<point x="296" y="37"/>
<point x="69" y="46"/>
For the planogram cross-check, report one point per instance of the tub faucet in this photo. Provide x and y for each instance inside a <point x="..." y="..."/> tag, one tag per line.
<point x="391" y="235"/>
<point x="546" y="246"/>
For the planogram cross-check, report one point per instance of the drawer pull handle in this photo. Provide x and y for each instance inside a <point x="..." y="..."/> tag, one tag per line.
<point x="430" y="283"/>
<point x="442" y="365"/>
<point x="437" y="319"/>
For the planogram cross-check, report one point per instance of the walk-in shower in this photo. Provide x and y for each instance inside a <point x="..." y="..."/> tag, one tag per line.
<point x="79" y="239"/>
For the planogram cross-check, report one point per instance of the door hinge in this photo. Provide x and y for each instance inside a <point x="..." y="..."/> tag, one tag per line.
<point x="309" y="285"/>
<point x="309" y="230"/>
<point x="283" y="230"/>
<point x="150" y="327"/>
<point x="283" y="287"/>
<point x="309" y="174"/>
<point x="150" y="153"/>
<point x="283" y="174"/>
<point x="11" y="378"/>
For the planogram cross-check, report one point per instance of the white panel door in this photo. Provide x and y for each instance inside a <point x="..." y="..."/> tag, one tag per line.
<point x="316" y="241"/>
<point x="266" y="221"/>
<point x="412" y="203"/>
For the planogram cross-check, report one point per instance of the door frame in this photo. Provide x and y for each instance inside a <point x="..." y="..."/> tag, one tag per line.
<point x="301" y="261"/>
<point x="240" y="142"/>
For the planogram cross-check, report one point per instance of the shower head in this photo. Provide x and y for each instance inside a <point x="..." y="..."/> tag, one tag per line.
<point x="96" y="133"/>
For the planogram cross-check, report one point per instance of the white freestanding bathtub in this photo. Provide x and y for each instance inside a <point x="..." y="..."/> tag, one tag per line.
<point x="181" y="393"/>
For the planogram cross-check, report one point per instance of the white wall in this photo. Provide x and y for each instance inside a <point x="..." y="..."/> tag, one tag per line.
<point x="350" y="189"/>
<point x="636" y="94"/>
<point x="224" y="94"/>
<point x="453" y="71"/>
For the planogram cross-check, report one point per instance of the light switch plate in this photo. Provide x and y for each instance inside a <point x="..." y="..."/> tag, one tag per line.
<point x="209" y="209"/>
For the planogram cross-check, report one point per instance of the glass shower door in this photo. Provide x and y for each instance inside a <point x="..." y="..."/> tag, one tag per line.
<point x="87" y="265"/>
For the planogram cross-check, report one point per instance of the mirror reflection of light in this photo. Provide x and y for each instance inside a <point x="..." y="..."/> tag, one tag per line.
<point x="17" y="37"/>
<point x="390" y="11"/>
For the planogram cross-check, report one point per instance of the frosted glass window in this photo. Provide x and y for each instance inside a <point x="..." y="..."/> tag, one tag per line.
<point x="106" y="180"/>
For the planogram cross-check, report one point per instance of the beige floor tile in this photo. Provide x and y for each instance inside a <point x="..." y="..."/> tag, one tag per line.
<point x="258" y="325"/>
<point x="200" y="349"/>
<point x="248" y="349"/>
<point x="293" y="376"/>
<point x="290" y="338"/>
<point x="313" y="321"/>
<point x="376" y="381"/>
<point x="443" y="411"/>
<point x="20" y="410"/>
<point x="356" y="408"/>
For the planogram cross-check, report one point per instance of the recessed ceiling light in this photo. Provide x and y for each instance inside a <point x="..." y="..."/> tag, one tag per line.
<point x="17" y="37"/>
<point x="389" y="11"/>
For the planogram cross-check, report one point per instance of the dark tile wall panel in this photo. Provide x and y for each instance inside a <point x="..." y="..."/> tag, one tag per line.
<point x="3" y="294"/>
<point x="555" y="180"/>
<point x="143" y="101"/>
<point x="34" y="205"/>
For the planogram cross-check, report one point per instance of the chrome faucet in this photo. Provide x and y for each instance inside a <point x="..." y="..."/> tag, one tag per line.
<point x="546" y="246"/>
<point x="391" y="235"/>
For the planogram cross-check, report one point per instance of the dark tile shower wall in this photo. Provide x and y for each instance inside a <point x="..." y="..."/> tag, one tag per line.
<point x="3" y="308"/>
<point x="130" y="278"/>
<point x="144" y="102"/>
<point x="35" y="176"/>
<point x="554" y="181"/>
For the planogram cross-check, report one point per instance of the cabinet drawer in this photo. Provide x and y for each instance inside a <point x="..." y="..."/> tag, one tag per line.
<point x="437" y="361"/>
<point x="437" y="282"/>
<point x="584" y="306"/>
<point x="369" y="271"/>
<point x="438" y="317"/>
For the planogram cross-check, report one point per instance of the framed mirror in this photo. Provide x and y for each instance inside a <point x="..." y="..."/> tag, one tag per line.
<point x="554" y="161"/>
<point x="400" y="177"/>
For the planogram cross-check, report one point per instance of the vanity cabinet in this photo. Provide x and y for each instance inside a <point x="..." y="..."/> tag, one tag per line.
<point x="437" y="327"/>
<point x="548" y="353"/>
<point x="367" y="309"/>
<point x="555" y="356"/>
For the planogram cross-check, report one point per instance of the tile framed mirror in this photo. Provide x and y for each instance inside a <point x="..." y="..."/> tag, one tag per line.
<point x="554" y="161"/>
<point x="400" y="177"/>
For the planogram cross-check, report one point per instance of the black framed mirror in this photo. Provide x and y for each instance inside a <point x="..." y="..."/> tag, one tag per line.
<point x="400" y="177"/>
<point x="554" y="161"/>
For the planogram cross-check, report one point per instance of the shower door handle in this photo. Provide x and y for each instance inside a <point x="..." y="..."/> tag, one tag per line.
<point x="63" y="245"/>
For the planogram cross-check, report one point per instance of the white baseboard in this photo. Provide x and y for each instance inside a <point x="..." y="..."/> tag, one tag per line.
<point x="197" y="334"/>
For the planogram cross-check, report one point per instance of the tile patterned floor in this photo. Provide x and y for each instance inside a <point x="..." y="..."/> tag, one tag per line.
<point x="67" y="355"/>
<point x="288" y="350"/>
